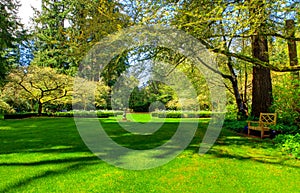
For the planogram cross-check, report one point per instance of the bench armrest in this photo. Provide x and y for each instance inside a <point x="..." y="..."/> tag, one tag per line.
<point x="251" y="122"/>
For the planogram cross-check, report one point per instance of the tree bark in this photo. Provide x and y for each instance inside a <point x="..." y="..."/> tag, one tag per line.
<point x="242" y="109"/>
<point x="290" y="28"/>
<point x="241" y="105"/>
<point x="292" y="47"/>
<point x="261" y="83"/>
<point x="40" y="108"/>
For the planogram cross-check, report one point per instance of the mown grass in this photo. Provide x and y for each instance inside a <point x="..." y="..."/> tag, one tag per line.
<point x="48" y="155"/>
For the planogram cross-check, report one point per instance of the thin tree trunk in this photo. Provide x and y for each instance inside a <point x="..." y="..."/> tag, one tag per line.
<point x="242" y="111"/>
<point x="246" y="85"/>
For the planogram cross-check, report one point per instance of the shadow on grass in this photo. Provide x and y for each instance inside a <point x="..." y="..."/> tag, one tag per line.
<point x="241" y="147"/>
<point x="40" y="135"/>
<point x="85" y="159"/>
<point x="61" y="136"/>
<point x="76" y="164"/>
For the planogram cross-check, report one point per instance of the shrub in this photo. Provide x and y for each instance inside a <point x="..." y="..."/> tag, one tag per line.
<point x="115" y="112"/>
<point x="86" y="114"/>
<point x="63" y="114"/>
<point x="289" y="143"/>
<point x="178" y="114"/>
<point x="22" y="115"/>
<point x="5" y="108"/>
<point x="235" y="125"/>
<point x="286" y="129"/>
<point x="173" y="115"/>
<point x="286" y="100"/>
<point x="104" y="114"/>
<point x="154" y="114"/>
<point x="161" y="115"/>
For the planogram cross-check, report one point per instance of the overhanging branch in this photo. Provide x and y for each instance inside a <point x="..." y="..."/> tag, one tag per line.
<point x="250" y="59"/>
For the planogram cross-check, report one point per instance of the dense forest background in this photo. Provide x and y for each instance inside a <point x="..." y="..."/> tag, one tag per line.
<point x="255" y="43"/>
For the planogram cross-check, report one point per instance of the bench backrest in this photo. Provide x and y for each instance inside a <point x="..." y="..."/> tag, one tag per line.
<point x="268" y="118"/>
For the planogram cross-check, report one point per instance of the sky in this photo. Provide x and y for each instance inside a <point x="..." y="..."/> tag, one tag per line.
<point x="26" y="11"/>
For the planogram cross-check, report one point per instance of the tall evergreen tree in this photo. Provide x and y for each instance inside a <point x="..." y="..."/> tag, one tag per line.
<point x="11" y="34"/>
<point x="50" y="35"/>
<point x="67" y="30"/>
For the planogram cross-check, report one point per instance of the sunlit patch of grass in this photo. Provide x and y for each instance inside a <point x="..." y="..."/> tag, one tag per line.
<point x="139" y="117"/>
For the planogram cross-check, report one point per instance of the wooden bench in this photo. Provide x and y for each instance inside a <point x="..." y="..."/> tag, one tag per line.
<point x="265" y="120"/>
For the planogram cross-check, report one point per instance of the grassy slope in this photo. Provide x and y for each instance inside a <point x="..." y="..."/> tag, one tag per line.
<point x="47" y="155"/>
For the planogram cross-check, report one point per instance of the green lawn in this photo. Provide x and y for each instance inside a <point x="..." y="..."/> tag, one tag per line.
<point x="48" y="155"/>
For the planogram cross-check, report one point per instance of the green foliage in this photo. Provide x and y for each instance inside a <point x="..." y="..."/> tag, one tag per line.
<point x="234" y="125"/>
<point x="67" y="30"/>
<point x="169" y="115"/>
<point x="139" y="100"/>
<point x="22" y="115"/>
<point x="34" y="86"/>
<point x="218" y="24"/>
<point x="88" y="94"/>
<point x="231" y="111"/>
<point x="10" y="34"/>
<point x="289" y="143"/>
<point x="5" y="108"/>
<point x="39" y="84"/>
<point x="286" y="99"/>
<point x="178" y="114"/>
<point x="85" y="114"/>
<point x="227" y="27"/>
<point x="50" y="36"/>
<point x="286" y="128"/>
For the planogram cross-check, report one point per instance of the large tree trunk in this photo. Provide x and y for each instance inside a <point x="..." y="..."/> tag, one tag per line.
<point x="40" y="108"/>
<point x="292" y="47"/>
<point x="261" y="83"/>
<point x="295" y="76"/>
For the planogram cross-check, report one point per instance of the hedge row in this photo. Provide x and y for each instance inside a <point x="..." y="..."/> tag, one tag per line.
<point x="86" y="114"/>
<point x="99" y="114"/>
<point x="22" y="115"/>
<point x="106" y="114"/>
<point x="204" y="114"/>
<point x="83" y="114"/>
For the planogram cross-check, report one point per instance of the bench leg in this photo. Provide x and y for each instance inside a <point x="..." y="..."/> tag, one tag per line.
<point x="262" y="133"/>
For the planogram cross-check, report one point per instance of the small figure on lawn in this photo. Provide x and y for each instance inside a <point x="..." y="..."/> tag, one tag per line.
<point x="124" y="115"/>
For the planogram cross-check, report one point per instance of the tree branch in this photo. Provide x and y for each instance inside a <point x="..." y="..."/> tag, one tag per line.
<point x="249" y="36"/>
<point x="250" y="60"/>
<point x="53" y="99"/>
